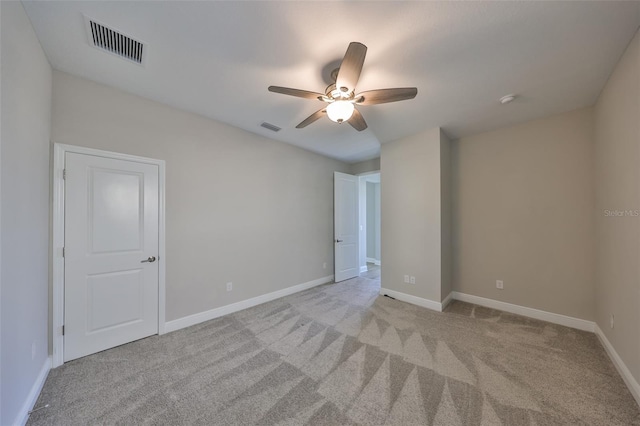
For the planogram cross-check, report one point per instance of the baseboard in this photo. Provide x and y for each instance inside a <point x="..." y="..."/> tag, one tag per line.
<point x="628" y="378"/>
<point x="374" y="261"/>
<point x="447" y="300"/>
<point x="34" y="393"/>
<point x="363" y="269"/>
<point x="244" y="304"/>
<point x="560" y="319"/>
<point x="414" y="300"/>
<point x="567" y="321"/>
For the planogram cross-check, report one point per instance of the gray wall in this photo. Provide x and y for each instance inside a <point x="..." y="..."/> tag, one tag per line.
<point x="411" y="215"/>
<point x="24" y="211"/>
<point x="378" y="255"/>
<point x="446" y="261"/>
<point x="362" y="218"/>
<point x="617" y="118"/>
<point x="523" y="213"/>
<point x="240" y="207"/>
<point x="364" y="166"/>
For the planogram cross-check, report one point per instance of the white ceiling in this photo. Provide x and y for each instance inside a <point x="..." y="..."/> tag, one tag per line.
<point x="218" y="58"/>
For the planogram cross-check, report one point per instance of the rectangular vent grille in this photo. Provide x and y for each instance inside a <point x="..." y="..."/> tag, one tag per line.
<point x="270" y="126"/>
<point x="114" y="42"/>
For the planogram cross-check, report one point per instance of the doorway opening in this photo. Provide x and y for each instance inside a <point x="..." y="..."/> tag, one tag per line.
<point x="370" y="241"/>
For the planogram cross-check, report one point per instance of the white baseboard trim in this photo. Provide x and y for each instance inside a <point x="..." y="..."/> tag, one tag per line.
<point x="374" y="261"/>
<point x="363" y="269"/>
<point x="34" y="393"/>
<point x="628" y="378"/>
<point x="447" y="300"/>
<point x="244" y="304"/>
<point x="414" y="300"/>
<point x="560" y="319"/>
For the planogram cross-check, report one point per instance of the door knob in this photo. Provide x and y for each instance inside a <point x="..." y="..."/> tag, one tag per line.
<point x="338" y="241"/>
<point x="151" y="259"/>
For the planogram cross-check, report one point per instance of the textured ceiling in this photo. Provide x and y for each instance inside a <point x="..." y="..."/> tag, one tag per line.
<point x="218" y="58"/>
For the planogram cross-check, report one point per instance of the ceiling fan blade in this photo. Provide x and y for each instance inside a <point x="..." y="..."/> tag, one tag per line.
<point x="351" y="67"/>
<point x="296" y="92"/>
<point x="357" y="121"/>
<point x="383" y="96"/>
<point x="313" y="117"/>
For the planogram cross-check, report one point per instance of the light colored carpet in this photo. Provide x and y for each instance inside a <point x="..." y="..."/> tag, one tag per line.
<point x="339" y="354"/>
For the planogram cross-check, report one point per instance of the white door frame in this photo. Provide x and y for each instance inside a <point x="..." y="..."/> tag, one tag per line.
<point x="59" y="151"/>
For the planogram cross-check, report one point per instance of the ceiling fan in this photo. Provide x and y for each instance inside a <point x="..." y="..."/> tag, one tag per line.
<point x="341" y="96"/>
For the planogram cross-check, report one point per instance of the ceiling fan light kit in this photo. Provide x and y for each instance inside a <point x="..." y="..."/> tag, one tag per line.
<point x="341" y="96"/>
<point x="340" y="111"/>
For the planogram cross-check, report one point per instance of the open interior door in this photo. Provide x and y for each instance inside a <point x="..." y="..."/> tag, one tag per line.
<point x="346" y="240"/>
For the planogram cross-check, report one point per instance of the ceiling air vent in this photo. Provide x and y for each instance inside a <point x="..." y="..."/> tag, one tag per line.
<point x="270" y="126"/>
<point x="115" y="42"/>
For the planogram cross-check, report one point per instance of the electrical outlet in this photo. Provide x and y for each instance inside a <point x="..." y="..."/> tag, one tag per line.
<point x="229" y="286"/>
<point x="412" y="280"/>
<point x="499" y="284"/>
<point x="406" y="279"/>
<point x="612" y="321"/>
<point x="33" y="350"/>
<point x="324" y="265"/>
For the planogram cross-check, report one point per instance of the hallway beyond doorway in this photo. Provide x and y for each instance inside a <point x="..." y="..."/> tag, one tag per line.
<point x="373" y="271"/>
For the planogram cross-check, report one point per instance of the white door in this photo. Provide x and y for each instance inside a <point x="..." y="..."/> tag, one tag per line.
<point x="111" y="249"/>
<point x="345" y="222"/>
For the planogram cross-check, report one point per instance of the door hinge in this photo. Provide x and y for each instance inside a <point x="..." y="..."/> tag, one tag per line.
<point x="63" y="330"/>
<point x="64" y="174"/>
<point x="62" y="251"/>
